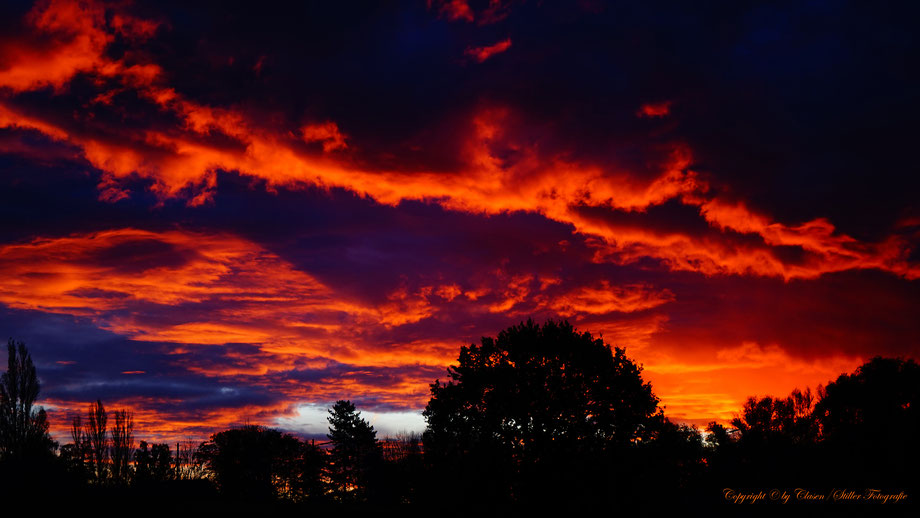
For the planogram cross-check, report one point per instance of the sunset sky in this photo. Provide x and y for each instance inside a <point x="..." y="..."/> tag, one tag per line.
<point x="228" y="213"/>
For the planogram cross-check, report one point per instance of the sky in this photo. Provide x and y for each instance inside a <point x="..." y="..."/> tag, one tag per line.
<point x="219" y="213"/>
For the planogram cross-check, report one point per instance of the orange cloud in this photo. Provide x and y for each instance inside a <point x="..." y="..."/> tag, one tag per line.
<point x="100" y="271"/>
<point x="247" y="295"/>
<point x="187" y="163"/>
<point x="77" y="42"/>
<point x="153" y="423"/>
<point x="327" y="133"/>
<point x="604" y="298"/>
<point x="184" y="161"/>
<point x="833" y="251"/>
<point x="70" y="38"/>
<point x="12" y="119"/>
<point x="632" y="332"/>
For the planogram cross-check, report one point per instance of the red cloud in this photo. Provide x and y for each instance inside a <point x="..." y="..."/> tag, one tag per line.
<point x="70" y="37"/>
<point x="327" y="133"/>
<point x="480" y="54"/>
<point x="77" y="43"/>
<point x="454" y="10"/>
<point x="183" y="162"/>
<point x="605" y="298"/>
<point x="247" y="294"/>
<point x="654" y="110"/>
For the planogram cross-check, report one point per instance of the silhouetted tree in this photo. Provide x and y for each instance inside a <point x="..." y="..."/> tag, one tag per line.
<point x="23" y="430"/>
<point x="311" y="482"/>
<point x="401" y="475"/>
<point x="257" y="463"/>
<point x="779" y="420"/>
<point x="878" y="400"/>
<point x="869" y="421"/>
<point x="74" y="454"/>
<point x="861" y="432"/>
<point x="98" y="442"/>
<point x="772" y="438"/>
<point x="355" y="450"/>
<point x="672" y="459"/>
<point x="524" y="410"/>
<point x="537" y="385"/>
<point x="122" y="446"/>
<point x="78" y="436"/>
<point x="152" y="464"/>
<point x="721" y="444"/>
<point x="299" y="470"/>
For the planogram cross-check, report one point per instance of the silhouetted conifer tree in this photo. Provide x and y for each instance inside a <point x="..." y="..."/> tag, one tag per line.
<point x="98" y="441"/>
<point x="355" y="451"/>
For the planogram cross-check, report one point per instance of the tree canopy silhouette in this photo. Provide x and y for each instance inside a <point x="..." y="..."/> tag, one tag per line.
<point x="539" y="386"/>
<point x="870" y="418"/>
<point x="152" y="463"/>
<point x="97" y="441"/>
<point x="776" y="420"/>
<point x="258" y="463"/>
<point x="23" y="430"/>
<point x="878" y="400"/>
<point x="540" y="410"/>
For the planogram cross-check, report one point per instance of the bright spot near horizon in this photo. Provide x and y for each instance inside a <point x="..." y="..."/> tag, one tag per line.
<point x="312" y="420"/>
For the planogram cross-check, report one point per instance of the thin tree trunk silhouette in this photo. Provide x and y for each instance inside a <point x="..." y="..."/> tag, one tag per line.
<point x="98" y="441"/>
<point x="122" y="445"/>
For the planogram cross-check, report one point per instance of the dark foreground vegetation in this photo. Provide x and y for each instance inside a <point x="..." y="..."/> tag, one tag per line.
<point x="539" y="416"/>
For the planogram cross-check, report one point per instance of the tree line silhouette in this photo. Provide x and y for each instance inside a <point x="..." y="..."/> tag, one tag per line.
<point x="539" y="415"/>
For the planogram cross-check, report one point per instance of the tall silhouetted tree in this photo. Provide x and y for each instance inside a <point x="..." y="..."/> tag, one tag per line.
<point x="355" y="450"/>
<point x="74" y="454"/>
<point x="78" y="436"/>
<point x="122" y="446"/>
<point x="23" y="429"/>
<point x="98" y="442"/>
